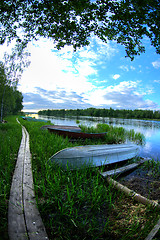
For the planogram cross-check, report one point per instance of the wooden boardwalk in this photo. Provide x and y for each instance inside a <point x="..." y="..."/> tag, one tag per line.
<point x="24" y="220"/>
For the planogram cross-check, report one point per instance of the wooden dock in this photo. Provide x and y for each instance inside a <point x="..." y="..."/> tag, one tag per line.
<point x="24" y="220"/>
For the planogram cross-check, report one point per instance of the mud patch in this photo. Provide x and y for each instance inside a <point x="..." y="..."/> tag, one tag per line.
<point x="144" y="182"/>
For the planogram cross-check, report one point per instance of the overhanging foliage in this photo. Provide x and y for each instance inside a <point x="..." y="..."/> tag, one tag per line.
<point x="72" y="22"/>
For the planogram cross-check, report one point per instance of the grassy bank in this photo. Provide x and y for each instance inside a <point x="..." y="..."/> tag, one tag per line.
<point x="115" y="134"/>
<point x="10" y="138"/>
<point x="73" y="205"/>
<point x="80" y="204"/>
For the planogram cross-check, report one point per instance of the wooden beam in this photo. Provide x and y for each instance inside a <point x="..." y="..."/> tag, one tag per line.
<point x="124" y="169"/>
<point x="154" y="231"/>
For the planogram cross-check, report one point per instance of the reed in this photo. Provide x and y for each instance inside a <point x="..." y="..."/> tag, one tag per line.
<point x="115" y="134"/>
<point x="153" y="168"/>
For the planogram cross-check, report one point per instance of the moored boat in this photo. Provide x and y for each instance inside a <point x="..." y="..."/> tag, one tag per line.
<point x="30" y="119"/>
<point x="94" y="155"/>
<point x="73" y="132"/>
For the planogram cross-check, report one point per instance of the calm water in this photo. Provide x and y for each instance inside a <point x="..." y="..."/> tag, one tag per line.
<point x="150" y="129"/>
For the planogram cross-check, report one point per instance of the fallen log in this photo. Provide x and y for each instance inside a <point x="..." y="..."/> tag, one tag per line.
<point x="132" y="193"/>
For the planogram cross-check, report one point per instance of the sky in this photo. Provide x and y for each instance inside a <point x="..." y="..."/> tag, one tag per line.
<point x="97" y="76"/>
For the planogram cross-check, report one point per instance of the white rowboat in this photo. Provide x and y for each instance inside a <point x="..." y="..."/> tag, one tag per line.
<point x="94" y="155"/>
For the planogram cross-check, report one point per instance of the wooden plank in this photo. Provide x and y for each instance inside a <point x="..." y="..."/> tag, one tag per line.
<point x="24" y="221"/>
<point x="16" y="221"/>
<point x="123" y="169"/>
<point x="154" y="231"/>
<point x="35" y="227"/>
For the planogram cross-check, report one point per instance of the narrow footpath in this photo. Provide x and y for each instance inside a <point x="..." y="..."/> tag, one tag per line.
<point x="24" y="220"/>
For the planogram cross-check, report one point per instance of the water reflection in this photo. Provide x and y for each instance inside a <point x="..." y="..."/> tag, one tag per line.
<point x="150" y="129"/>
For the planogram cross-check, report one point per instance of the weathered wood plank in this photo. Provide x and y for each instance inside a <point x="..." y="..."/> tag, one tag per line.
<point x="16" y="221"/>
<point x="154" y="231"/>
<point x="123" y="169"/>
<point x="24" y="221"/>
<point x="35" y="227"/>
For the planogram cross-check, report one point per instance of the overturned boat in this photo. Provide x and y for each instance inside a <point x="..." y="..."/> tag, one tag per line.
<point x="94" y="155"/>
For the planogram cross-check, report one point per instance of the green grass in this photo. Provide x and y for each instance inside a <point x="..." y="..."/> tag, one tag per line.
<point x="10" y="138"/>
<point x="115" y="134"/>
<point x="80" y="204"/>
<point x="73" y="204"/>
<point x="152" y="168"/>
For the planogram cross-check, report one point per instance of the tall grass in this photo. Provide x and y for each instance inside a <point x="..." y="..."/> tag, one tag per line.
<point x="79" y="204"/>
<point x="115" y="134"/>
<point x="10" y="138"/>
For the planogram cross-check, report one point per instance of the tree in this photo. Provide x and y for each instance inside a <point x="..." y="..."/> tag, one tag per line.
<point x="18" y="102"/>
<point x="10" y="98"/>
<point x="72" y="22"/>
<point x="10" y="73"/>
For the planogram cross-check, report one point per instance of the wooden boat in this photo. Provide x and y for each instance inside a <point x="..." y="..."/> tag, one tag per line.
<point x="73" y="132"/>
<point x="94" y="155"/>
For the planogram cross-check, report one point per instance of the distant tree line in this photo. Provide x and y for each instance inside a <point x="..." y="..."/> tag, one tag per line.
<point x="96" y="112"/>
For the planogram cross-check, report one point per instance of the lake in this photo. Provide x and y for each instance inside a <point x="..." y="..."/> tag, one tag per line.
<point x="150" y="129"/>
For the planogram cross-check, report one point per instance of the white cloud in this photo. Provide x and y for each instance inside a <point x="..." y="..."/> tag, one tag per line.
<point x="68" y="79"/>
<point x="88" y="53"/>
<point x="149" y="91"/>
<point x="53" y="75"/>
<point x="124" y="95"/>
<point x="124" y="68"/>
<point x="156" y="64"/>
<point x="157" y="81"/>
<point x="116" y="76"/>
<point x="85" y="68"/>
<point x="51" y="70"/>
<point x="106" y="50"/>
<point x="132" y="68"/>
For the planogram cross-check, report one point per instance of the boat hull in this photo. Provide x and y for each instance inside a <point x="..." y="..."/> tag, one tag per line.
<point x="74" y="132"/>
<point x="94" y="155"/>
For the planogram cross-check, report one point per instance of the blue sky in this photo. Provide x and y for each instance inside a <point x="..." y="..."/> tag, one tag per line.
<point x="95" y="76"/>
